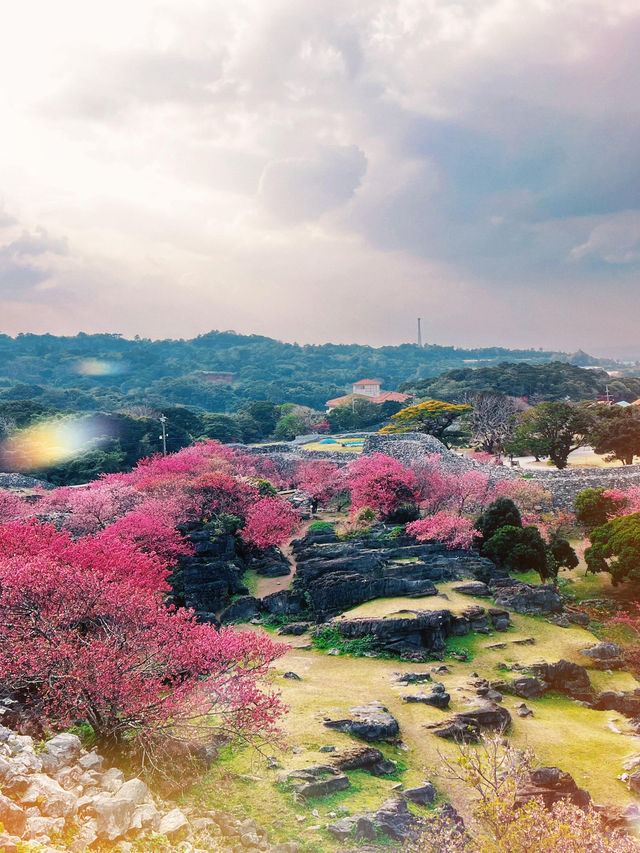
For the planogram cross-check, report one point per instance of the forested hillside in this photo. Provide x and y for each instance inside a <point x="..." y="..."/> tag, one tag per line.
<point x="106" y="372"/>
<point x="536" y="382"/>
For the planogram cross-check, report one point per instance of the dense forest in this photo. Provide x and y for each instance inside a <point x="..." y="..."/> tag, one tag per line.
<point x="535" y="382"/>
<point x="108" y="372"/>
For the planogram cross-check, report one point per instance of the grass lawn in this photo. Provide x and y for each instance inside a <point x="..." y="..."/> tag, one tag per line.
<point x="591" y="745"/>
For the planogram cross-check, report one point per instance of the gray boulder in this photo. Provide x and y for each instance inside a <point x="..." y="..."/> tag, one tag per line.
<point x="371" y="722"/>
<point x="424" y="795"/>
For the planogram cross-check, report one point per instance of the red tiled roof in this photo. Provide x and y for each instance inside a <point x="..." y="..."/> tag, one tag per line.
<point x="367" y="382"/>
<point x="396" y="396"/>
<point x="381" y="398"/>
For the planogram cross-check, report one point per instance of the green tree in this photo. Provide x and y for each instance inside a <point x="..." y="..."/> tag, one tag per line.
<point x="560" y="427"/>
<point x="615" y="548"/>
<point x="617" y="437"/>
<point x="520" y="549"/>
<point x="500" y="513"/>
<point x="433" y="417"/>
<point x="594" y="507"/>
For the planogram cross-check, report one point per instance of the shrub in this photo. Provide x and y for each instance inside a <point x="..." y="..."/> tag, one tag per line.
<point x="501" y="513"/>
<point x="453" y="530"/>
<point x="321" y="527"/>
<point x="500" y="823"/>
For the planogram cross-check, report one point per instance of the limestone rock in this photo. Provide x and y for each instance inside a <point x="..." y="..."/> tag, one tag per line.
<point x="134" y="790"/>
<point x="437" y="699"/>
<point x="469" y="725"/>
<point x="552" y="784"/>
<point x="242" y="610"/>
<point x="365" y="758"/>
<point x="112" y="815"/>
<point x="12" y="817"/>
<point x="49" y="796"/>
<point x="422" y="795"/>
<point x="527" y="687"/>
<point x="566" y="677"/>
<point x="605" y="655"/>
<point x="173" y="823"/>
<point x="530" y="598"/>
<point x="60" y="751"/>
<point x="39" y="827"/>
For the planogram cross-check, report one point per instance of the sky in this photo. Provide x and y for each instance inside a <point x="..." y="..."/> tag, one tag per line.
<point x="323" y="170"/>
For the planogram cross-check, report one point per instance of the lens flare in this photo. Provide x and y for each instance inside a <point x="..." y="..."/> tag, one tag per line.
<point x="99" y="367"/>
<point x="48" y="443"/>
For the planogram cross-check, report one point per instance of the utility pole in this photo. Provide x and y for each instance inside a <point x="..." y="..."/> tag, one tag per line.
<point x="608" y="398"/>
<point x="419" y="332"/>
<point x="163" y="420"/>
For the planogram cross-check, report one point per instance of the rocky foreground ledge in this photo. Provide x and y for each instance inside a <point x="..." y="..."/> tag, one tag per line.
<point x="65" y="798"/>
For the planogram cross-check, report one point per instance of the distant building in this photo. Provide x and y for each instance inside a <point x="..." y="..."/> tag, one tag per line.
<point x="370" y="390"/>
<point x="367" y="387"/>
<point x="209" y="376"/>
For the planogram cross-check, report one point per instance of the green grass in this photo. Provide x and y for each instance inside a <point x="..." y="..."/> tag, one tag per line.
<point x="331" y="638"/>
<point x="250" y="580"/>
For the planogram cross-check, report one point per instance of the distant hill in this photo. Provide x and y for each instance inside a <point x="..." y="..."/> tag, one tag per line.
<point x="536" y="382"/>
<point x="106" y="372"/>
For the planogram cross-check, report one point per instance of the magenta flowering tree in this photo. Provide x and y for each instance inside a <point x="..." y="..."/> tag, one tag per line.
<point x="380" y="483"/>
<point x="269" y="521"/>
<point x="87" y="636"/>
<point x="454" y="531"/>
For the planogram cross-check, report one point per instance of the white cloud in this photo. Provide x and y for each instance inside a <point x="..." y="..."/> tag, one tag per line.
<point x="231" y="164"/>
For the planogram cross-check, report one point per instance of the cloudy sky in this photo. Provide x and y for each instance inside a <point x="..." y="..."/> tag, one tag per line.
<point x="323" y="169"/>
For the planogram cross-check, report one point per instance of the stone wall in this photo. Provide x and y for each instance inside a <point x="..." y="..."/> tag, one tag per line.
<point x="412" y="447"/>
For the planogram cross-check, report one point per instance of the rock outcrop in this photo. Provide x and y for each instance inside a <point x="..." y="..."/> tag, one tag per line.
<point x="470" y="725"/>
<point x="335" y="575"/>
<point x="551" y="785"/>
<point x="371" y="722"/>
<point x="65" y="792"/>
<point x="565" y="677"/>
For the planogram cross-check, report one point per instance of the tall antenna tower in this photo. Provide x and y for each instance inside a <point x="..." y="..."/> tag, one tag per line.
<point x="419" y="332"/>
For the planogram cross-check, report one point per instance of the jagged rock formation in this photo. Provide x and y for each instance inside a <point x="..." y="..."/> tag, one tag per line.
<point x="420" y="630"/>
<point x="335" y="575"/>
<point x="470" y="725"/>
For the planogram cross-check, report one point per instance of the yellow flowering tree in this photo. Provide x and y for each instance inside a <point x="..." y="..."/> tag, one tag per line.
<point x="433" y="417"/>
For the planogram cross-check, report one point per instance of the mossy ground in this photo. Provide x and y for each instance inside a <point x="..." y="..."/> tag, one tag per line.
<point x="591" y="745"/>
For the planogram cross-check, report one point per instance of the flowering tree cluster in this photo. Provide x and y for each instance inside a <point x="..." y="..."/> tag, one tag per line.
<point x="87" y="636"/>
<point x="320" y="479"/>
<point x="380" y="483"/>
<point x="454" y="530"/>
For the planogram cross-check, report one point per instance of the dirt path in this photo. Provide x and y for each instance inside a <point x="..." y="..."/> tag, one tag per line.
<point x="266" y="586"/>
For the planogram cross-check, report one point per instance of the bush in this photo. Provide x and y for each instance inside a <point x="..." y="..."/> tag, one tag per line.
<point x="331" y="638"/>
<point x="595" y="507"/>
<point x="321" y="527"/>
<point x="501" y="513"/>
